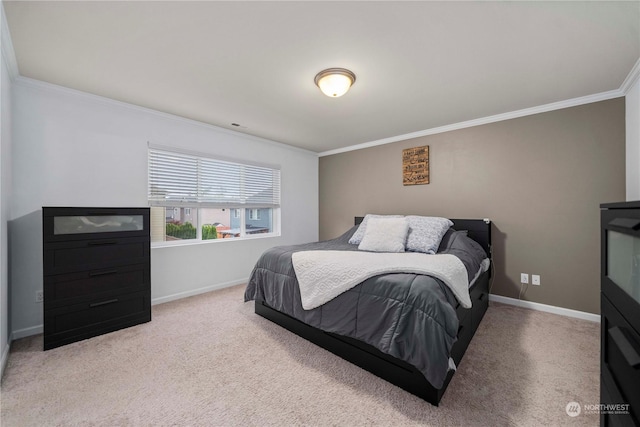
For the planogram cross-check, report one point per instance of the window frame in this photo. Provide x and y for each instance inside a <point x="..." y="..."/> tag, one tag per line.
<point x="238" y="210"/>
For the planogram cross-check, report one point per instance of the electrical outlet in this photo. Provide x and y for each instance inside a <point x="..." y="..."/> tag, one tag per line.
<point x="39" y="296"/>
<point x="535" y="279"/>
<point x="524" y="278"/>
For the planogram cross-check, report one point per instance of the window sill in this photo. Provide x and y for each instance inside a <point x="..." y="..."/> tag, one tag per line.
<point x="177" y="243"/>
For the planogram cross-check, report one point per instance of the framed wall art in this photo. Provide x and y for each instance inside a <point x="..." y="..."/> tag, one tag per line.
<point x="415" y="165"/>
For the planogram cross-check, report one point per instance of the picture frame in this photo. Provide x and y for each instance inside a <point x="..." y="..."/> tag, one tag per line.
<point x="415" y="165"/>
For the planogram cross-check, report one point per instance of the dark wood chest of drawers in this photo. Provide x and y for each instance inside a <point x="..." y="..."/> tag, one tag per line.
<point x="620" y="308"/>
<point x="96" y="271"/>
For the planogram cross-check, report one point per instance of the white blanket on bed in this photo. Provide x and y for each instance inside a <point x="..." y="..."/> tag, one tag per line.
<point x="323" y="275"/>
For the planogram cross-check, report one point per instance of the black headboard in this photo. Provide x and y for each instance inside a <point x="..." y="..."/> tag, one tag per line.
<point x="479" y="230"/>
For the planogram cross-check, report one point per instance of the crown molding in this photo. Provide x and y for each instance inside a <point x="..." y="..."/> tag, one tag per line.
<point x="97" y="99"/>
<point x="631" y="79"/>
<point x="603" y="96"/>
<point x="8" y="53"/>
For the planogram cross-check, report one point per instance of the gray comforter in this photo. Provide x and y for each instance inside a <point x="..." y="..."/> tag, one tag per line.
<point x="408" y="316"/>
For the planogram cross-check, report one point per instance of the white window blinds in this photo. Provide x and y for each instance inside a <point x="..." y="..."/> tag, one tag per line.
<point x="180" y="179"/>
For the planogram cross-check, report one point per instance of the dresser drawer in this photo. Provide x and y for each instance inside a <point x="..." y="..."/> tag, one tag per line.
<point x="621" y="356"/>
<point x="480" y="303"/>
<point x="64" y="289"/>
<point x="64" y="257"/>
<point x="609" y="396"/>
<point x="78" y="321"/>
<point x="64" y="224"/>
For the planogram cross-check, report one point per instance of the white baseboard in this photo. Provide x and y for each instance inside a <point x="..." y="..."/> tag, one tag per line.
<point x="162" y="300"/>
<point x="26" y="332"/>
<point x="5" y="359"/>
<point x="546" y="308"/>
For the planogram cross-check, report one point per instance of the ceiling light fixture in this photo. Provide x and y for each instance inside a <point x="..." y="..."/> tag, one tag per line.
<point x="335" y="82"/>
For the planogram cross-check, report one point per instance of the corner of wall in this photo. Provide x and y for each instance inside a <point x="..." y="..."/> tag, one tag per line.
<point x="6" y="46"/>
<point x="632" y="124"/>
<point x="8" y="71"/>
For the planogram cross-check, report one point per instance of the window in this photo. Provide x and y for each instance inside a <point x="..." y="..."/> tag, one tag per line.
<point x="193" y="197"/>
<point x="254" y="214"/>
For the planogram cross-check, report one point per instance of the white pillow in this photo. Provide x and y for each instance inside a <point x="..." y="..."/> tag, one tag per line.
<point x="357" y="236"/>
<point x="426" y="232"/>
<point x="385" y="235"/>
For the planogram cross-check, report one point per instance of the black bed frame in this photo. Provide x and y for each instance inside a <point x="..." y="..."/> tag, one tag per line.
<point x="396" y="371"/>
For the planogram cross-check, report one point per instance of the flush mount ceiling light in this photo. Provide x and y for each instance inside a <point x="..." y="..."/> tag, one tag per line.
<point x="334" y="82"/>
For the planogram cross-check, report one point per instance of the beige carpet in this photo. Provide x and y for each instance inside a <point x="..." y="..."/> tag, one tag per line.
<point x="210" y="361"/>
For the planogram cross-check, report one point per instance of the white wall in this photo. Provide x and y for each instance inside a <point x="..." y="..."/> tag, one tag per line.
<point x="632" y="105"/>
<point x="73" y="149"/>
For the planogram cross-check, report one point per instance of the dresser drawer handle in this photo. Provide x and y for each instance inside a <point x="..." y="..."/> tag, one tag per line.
<point x="103" y="243"/>
<point x="626" y="347"/>
<point x="98" y="304"/>
<point x="102" y="273"/>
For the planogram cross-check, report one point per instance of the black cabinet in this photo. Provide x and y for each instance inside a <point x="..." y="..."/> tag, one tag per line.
<point x="620" y="311"/>
<point x="97" y="271"/>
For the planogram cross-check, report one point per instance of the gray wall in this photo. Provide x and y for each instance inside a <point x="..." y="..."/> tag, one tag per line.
<point x="539" y="178"/>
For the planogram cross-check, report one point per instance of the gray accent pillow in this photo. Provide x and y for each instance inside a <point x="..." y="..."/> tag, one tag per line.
<point x="426" y="232"/>
<point x="359" y="234"/>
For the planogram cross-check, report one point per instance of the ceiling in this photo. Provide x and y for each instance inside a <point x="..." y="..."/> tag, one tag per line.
<point x="419" y="65"/>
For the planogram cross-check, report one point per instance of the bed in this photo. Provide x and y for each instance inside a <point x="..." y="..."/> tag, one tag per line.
<point x="407" y="328"/>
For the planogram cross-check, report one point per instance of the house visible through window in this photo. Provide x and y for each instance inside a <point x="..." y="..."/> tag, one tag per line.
<point x="194" y="197"/>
